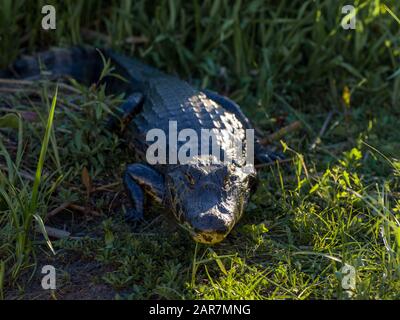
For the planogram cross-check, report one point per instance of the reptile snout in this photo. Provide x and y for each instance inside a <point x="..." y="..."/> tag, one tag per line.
<point x="212" y="226"/>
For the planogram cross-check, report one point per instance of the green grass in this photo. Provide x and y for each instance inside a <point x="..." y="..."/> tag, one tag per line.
<point x="21" y="201"/>
<point x="336" y="203"/>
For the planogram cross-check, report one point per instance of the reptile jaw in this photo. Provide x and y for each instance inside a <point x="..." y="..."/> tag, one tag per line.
<point x="209" y="237"/>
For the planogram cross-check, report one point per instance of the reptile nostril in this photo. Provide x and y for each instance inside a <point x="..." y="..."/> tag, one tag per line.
<point x="210" y="222"/>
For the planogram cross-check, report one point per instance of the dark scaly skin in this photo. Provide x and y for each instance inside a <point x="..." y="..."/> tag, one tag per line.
<point x="207" y="199"/>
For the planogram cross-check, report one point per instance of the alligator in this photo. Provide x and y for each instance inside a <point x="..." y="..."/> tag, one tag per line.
<point x="206" y="195"/>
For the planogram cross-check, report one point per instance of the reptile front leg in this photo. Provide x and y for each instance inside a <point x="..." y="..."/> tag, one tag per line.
<point x="138" y="178"/>
<point x="126" y="111"/>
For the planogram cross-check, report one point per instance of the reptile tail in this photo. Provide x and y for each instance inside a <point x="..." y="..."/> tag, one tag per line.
<point x="85" y="65"/>
<point x="136" y="72"/>
<point x="81" y="63"/>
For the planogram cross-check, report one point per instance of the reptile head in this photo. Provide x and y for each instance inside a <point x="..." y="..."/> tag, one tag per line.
<point x="208" y="199"/>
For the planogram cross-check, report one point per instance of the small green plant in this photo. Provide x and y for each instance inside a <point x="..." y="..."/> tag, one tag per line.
<point x="23" y="201"/>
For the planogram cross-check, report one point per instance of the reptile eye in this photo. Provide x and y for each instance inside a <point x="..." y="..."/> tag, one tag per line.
<point x="190" y="179"/>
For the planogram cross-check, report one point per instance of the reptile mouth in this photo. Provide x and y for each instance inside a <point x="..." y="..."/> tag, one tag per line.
<point x="211" y="228"/>
<point x="209" y="237"/>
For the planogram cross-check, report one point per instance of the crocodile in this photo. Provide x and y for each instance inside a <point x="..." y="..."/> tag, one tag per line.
<point x="206" y="195"/>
